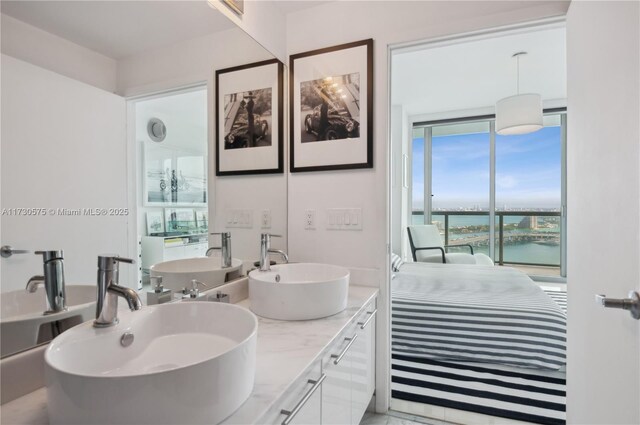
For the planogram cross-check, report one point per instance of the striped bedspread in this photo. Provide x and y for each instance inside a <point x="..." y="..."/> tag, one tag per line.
<point x="531" y="395"/>
<point x="476" y="314"/>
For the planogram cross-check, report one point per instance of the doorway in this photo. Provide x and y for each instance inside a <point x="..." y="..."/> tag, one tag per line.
<point x="168" y="133"/>
<point x="472" y="343"/>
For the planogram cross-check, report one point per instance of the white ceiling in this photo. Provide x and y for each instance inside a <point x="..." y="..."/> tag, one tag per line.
<point x="291" y="6"/>
<point x="120" y="28"/>
<point x="476" y="74"/>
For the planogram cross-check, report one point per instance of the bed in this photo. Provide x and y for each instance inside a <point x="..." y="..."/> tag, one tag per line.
<point x="482" y="339"/>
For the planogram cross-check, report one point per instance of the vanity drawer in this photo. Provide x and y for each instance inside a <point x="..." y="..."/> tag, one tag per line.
<point x="363" y="366"/>
<point x="337" y="364"/>
<point x="349" y="369"/>
<point x="301" y="404"/>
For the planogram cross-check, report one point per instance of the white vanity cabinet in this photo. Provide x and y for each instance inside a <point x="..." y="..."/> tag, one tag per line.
<point x="338" y="387"/>
<point x="350" y="369"/>
<point x="156" y="249"/>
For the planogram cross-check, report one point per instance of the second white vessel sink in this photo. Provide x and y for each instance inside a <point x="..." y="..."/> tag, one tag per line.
<point x="23" y="323"/>
<point x="187" y="362"/>
<point x="178" y="274"/>
<point x="299" y="291"/>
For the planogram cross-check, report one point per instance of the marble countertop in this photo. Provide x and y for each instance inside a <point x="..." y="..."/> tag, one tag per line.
<point x="284" y="351"/>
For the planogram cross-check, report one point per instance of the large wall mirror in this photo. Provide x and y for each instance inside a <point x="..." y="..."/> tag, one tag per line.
<point x="108" y="146"/>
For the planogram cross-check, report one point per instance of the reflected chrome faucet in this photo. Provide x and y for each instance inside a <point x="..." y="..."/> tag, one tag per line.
<point x="109" y="291"/>
<point x="265" y="249"/>
<point x="225" y="248"/>
<point x="53" y="281"/>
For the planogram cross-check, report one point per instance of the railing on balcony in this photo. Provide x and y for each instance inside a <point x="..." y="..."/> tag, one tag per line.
<point x="531" y="238"/>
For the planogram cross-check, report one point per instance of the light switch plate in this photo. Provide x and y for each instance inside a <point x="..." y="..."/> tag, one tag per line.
<point x="344" y="219"/>
<point x="239" y="218"/>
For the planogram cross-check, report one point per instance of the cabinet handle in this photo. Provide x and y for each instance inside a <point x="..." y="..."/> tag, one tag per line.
<point x="339" y="357"/>
<point x="366" y="322"/>
<point x="292" y="413"/>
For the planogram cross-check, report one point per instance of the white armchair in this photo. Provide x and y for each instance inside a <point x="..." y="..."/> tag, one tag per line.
<point x="427" y="247"/>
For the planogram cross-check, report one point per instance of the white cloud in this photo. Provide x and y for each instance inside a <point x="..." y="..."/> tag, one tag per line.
<point x="505" y="181"/>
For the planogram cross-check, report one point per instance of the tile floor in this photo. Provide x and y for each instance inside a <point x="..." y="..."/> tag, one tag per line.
<point x="396" y="418"/>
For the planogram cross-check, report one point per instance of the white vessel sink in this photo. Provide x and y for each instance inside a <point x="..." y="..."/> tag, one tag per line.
<point x="189" y="362"/>
<point x="301" y="291"/>
<point x="178" y="274"/>
<point x="23" y="324"/>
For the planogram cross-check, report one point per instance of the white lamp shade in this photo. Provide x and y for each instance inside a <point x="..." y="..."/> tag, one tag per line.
<point x="519" y="114"/>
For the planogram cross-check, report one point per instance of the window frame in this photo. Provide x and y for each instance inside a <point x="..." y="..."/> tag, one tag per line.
<point x="427" y="126"/>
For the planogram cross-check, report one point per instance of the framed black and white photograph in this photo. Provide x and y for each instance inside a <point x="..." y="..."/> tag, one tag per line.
<point x="179" y="220"/>
<point x="174" y="176"/>
<point x="249" y="119"/>
<point x="331" y="108"/>
<point x="235" y="5"/>
<point x="202" y="220"/>
<point x="155" y="222"/>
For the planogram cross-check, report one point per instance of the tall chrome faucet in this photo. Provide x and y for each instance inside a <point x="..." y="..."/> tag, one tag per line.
<point x="109" y="291"/>
<point x="53" y="281"/>
<point x="265" y="249"/>
<point x="225" y="248"/>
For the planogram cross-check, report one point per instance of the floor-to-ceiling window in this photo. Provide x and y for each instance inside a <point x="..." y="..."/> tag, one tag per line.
<point x="504" y="195"/>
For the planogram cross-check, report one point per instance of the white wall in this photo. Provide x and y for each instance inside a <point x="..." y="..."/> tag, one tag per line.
<point x="400" y="208"/>
<point x="192" y="62"/>
<point x="397" y="124"/>
<point x="387" y="22"/>
<point x="63" y="146"/>
<point x="57" y="54"/>
<point x="603" y="149"/>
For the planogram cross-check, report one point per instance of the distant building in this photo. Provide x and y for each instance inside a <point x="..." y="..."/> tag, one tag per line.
<point x="528" y="223"/>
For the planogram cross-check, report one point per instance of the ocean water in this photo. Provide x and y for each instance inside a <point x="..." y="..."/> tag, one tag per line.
<point x="519" y="252"/>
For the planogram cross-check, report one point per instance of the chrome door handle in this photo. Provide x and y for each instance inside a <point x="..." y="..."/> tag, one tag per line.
<point x="632" y="303"/>
<point x="293" y="412"/>
<point x="6" y="251"/>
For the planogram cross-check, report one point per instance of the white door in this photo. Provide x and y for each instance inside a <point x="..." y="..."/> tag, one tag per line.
<point x="603" y="375"/>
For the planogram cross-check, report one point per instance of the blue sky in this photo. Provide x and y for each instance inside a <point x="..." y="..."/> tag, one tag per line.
<point x="528" y="170"/>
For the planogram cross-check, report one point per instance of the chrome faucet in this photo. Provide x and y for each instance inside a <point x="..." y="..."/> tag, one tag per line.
<point x="225" y="248"/>
<point x="109" y="291"/>
<point x="53" y="281"/>
<point x="265" y="249"/>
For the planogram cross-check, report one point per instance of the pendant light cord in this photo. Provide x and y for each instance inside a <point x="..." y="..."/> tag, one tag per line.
<point x="517" y="56"/>
<point x="518" y="75"/>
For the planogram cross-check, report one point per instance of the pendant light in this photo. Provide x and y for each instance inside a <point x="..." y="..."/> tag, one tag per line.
<point x="519" y="114"/>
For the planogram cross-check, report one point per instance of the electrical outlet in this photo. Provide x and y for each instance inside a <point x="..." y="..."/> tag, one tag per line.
<point x="310" y="219"/>
<point x="265" y="219"/>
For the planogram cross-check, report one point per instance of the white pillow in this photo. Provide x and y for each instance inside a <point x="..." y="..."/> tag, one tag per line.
<point x="396" y="262"/>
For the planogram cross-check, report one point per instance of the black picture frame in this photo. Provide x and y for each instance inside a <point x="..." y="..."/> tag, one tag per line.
<point x="299" y="82"/>
<point x="244" y="76"/>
